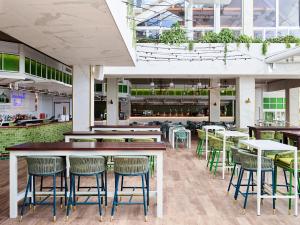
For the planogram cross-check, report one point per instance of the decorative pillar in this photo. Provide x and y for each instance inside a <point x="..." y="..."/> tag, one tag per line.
<point x="189" y="19"/>
<point x="214" y="101"/>
<point x="217" y="17"/>
<point x="259" y="107"/>
<point x="112" y="102"/>
<point x="247" y="17"/>
<point x="245" y="102"/>
<point x="292" y="106"/>
<point x="83" y="98"/>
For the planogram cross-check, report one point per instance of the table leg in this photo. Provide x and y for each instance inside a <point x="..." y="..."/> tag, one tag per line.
<point x="159" y="185"/>
<point x="258" y="180"/>
<point x="13" y="186"/>
<point x="158" y="139"/>
<point x="206" y="144"/>
<point x="224" y="158"/>
<point x="296" y="181"/>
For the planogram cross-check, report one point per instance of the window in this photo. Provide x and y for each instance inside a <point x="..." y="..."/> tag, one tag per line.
<point x="53" y="74"/>
<point x="11" y="62"/>
<point x="44" y="71"/>
<point x="33" y="67"/>
<point x="57" y="75"/>
<point x="49" y="72"/>
<point x="203" y="15"/>
<point x="264" y="14"/>
<point x="38" y="69"/>
<point x="231" y="14"/>
<point x="289" y="13"/>
<point x="98" y="87"/>
<point x="274" y="103"/>
<point x="27" y="65"/>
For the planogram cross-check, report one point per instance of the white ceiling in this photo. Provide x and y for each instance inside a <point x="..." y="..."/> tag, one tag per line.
<point x="74" y="32"/>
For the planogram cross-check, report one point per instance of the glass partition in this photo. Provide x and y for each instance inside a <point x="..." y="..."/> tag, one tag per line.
<point x="289" y="13"/>
<point x="231" y="14"/>
<point x="264" y="14"/>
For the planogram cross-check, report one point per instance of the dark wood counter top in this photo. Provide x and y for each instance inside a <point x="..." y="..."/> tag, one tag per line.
<point x="125" y="126"/>
<point x="114" y="133"/>
<point x="90" y="146"/>
<point x="257" y="129"/>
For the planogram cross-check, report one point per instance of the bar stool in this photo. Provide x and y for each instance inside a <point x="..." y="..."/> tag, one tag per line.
<point x="42" y="166"/>
<point x="132" y="166"/>
<point x="151" y="158"/>
<point x="87" y="166"/>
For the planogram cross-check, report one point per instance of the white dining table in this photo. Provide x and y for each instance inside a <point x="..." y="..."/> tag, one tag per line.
<point x="268" y="145"/>
<point x="227" y="134"/>
<point x="208" y="128"/>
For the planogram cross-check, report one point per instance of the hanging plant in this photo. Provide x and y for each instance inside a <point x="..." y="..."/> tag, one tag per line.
<point x="264" y="48"/>
<point x="244" y="39"/>
<point x="225" y="53"/>
<point x="176" y="35"/>
<point x="191" y="46"/>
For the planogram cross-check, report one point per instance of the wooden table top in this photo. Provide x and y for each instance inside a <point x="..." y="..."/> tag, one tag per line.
<point x="90" y="146"/>
<point x="273" y="128"/>
<point x="291" y="133"/>
<point x="125" y="126"/>
<point x="113" y="133"/>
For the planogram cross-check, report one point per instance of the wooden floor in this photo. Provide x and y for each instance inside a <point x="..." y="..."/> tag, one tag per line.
<point x="191" y="197"/>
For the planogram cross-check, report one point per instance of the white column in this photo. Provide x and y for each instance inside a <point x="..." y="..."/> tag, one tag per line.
<point x="22" y="59"/>
<point x="189" y="19"/>
<point x="259" y="97"/>
<point x="247" y="17"/>
<point x="245" y="102"/>
<point x="112" y="102"/>
<point x="214" y="101"/>
<point x="217" y="18"/>
<point x="292" y="106"/>
<point x="83" y="98"/>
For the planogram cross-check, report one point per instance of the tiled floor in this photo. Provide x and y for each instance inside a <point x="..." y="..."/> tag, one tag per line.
<point x="191" y="196"/>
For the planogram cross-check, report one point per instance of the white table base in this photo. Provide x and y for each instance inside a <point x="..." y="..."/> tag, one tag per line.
<point x="16" y="196"/>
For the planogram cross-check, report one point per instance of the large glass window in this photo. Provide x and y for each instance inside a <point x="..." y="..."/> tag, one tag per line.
<point x="44" y="73"/>
<point x="289" y="13"/>
<point x="11" y="62"/>
<point x="264" y="13"/>
<point x="203" y="15"/>
<point x="33" y="67"/>
<point x="231" y="14"/>
<point x="27" y="65"/>
<point x="38" y="69"/>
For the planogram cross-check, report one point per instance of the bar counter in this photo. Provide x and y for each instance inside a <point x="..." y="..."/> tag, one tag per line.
<point x="43" y="132"/>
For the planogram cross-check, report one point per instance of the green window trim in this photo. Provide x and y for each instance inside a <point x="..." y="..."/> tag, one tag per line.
<point x="38" y="69"/>
<point x="44" y="71"/>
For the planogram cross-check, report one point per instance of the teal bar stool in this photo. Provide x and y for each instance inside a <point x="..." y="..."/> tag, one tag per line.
<point x="132" y="166"/>
<point x="181" y="137"/>
<point x="88" y="166"/>
<point x="43" y="166"/>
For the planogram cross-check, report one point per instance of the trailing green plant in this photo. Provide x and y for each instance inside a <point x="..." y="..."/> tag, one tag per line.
<point x="209" y="37"/>
<point x="264" y="47"/>
<point x="225" y="53"/>
<point x="176" y="35"/>
<point x="244" y="39"/>
<point x="191" y="46"/>
<point x="226" y="36"/>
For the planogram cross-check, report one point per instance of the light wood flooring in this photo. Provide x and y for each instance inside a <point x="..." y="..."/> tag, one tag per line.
<point x="191" y="196"/>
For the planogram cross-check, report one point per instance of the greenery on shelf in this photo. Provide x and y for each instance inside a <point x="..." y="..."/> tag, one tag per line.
<point x="177" y="35"/>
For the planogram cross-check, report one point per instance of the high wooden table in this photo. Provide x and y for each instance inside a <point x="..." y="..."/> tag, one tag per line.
<point x="86" y="149"/>
<point x="258" y="129"/>
<point x="125" y="128"/>
<point x="113" y="134"/>
<point x="268" y="145"/>
<point x="293" y="135"/>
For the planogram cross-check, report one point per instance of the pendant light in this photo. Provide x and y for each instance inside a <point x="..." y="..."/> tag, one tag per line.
<point x="171" y="84"/>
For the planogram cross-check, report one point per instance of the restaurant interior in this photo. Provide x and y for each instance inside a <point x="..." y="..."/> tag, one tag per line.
<point x="149" y="111"/>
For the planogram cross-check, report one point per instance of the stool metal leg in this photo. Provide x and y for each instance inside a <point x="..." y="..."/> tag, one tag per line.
<point x="237" y="189"/>
<point x="247" y="190"/>
<point x="54" y="197"/>
<point x="105" y="177"/>
<point x="66" y="188"/>
<point x="70" y="201"/>
<point x="148" y="187"/>
<point x="144" y="197"/>
<point x="99" y="197"/>
<point x="115" y="201"/>
<point x="231" y="178"/>
<point x="25" y="198"/>
<point x="273" y="190"/>
<point x="33" y="192"/>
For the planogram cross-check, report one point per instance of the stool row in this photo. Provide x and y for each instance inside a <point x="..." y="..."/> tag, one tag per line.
<point x="84" y="166"/>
